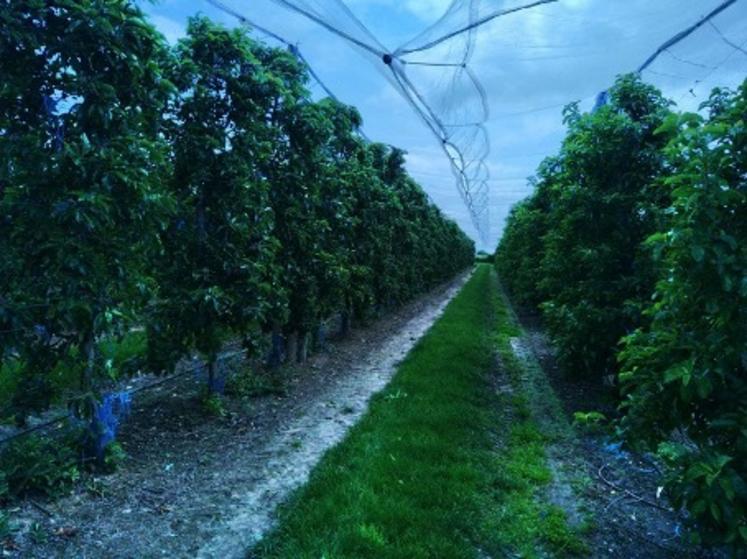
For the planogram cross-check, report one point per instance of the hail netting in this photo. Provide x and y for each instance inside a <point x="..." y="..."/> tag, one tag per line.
<point x="482" y="77"/>
<point x="433" y="74"/>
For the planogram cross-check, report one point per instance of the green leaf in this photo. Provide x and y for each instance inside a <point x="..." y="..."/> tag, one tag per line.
<point x="679" y="372"/>
<point x="697" y="252"/>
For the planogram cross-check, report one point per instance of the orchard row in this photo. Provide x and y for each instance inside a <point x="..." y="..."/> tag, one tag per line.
<point x="195" y="193"/>
<point x="634" y="247"/>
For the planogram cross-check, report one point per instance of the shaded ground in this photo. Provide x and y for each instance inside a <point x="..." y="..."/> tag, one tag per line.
<point x="199" y="486"/>
<point x="619" y="491"/>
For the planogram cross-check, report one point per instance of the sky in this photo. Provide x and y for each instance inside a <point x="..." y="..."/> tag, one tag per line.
<point x="529" y="65"/>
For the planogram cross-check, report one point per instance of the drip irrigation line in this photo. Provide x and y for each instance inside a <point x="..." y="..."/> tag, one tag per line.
<point x="628" y="492"/>
<point x="685" y="33"/>
<point x="15" y="330"/>
<point x="41" y="507"/>
<point x="61" y="419"/>
<point x="481" y="21"/>
<point x="191" y="369"/>
<point x="39" y="427"/>
<point x="647" y="539"/>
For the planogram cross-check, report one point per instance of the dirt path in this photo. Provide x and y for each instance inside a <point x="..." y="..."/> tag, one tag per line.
<point x="618" y="490"/>
<point x="205" y="487"/>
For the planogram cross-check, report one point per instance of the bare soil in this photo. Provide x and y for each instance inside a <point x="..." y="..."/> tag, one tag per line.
<point x="619" y="490"/>
<point x="194" y="485"/>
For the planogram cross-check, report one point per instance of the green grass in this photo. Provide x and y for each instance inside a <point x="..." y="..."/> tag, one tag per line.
<point x="525" y="523"/>
<point x="441" y="466"/>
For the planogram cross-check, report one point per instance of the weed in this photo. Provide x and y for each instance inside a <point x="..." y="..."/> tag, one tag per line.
<point x="114" y="455"/>
<point x="39" y="464"/>
<point x="558" y="537"/>
<point x="95" y="487"/>
<point x="591" y="422"/>
<point x="399" y="394"/>
<point x="38" y="534"/>
<point x="213" y="405"/>
<point x="248" y="383"/>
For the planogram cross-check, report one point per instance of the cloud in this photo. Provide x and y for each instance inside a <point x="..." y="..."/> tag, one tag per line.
<point x="427" y="10"/>
<point x="530" y="64"/>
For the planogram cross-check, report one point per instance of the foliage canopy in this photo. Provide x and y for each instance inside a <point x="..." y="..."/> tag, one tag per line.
<point x="195" y="192"/>
<point x="633" y="245"/>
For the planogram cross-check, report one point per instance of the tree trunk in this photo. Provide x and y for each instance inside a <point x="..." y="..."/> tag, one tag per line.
<point x="211" y="375"/>
<point x="276" y="351"/>
<point x="319" y="340"/>
<point x="303" y="347"/>
<point x="345" y="323"/>
<point x="87" y="407"/>
<point x="291" y="347"/>
<point x="89" y="350"/>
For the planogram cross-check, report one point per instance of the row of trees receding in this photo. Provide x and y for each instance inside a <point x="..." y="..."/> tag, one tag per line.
<point x="634" y="246"/>
<point x="195" y="192"/>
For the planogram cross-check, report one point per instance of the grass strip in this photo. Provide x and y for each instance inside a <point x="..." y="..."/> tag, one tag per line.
<point x="526" y="523"/>
<point x="442" y="465"/>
